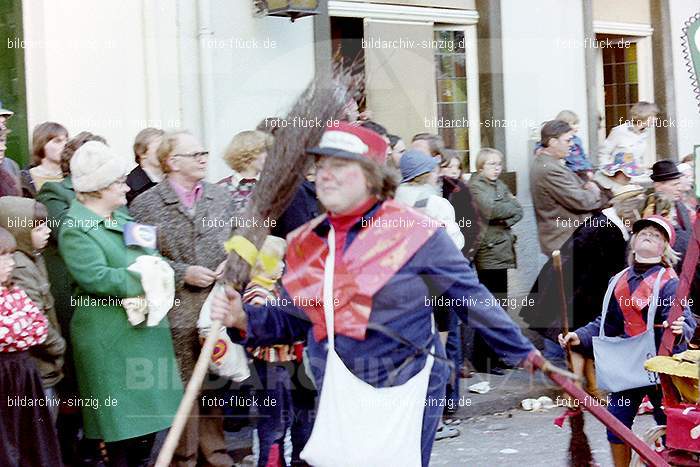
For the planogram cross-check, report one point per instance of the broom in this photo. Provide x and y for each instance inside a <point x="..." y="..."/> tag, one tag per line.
<point x="579" y="448"/>
<point x="567" y="382"/>
<point x="322" y="101"/>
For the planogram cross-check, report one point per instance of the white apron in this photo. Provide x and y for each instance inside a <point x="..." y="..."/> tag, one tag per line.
<point x="356" y="423"/>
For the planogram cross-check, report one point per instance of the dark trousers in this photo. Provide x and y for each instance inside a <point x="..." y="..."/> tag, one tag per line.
<point x="624" y="404"/>
<point x="132" y="452"/>
<point x="453" y="349"/>
<point x="476" y="350"/>
<point x="496" y="280"/>
<point x="286" y="399"/>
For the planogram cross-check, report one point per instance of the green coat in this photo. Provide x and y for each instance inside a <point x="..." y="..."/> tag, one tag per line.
<point x="133" y="364"/>
<point x="57" y="196"/>
<point x="499" y="211"/>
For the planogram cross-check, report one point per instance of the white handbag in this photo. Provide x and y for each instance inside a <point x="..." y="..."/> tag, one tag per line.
<point x="229" y="359"/>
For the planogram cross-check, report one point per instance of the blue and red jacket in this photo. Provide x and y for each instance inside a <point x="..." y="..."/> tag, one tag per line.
<point x="404" y="305"/>
<point x="617" y="324"/>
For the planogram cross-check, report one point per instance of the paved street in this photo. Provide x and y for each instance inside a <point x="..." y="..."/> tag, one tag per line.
<point x="523" y="439"/>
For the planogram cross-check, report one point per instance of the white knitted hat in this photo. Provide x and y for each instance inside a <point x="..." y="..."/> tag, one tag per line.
<point x="95" y="166"/>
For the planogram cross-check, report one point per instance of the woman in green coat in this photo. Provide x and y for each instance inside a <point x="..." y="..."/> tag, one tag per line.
<point x="499" y="210"/>
<point x="57" y="197"/>
<point x="127" y="375"/>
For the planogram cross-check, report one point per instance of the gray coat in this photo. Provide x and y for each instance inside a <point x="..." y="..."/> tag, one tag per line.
<point x="561" y="202"/>
<point x="187" y="239"/>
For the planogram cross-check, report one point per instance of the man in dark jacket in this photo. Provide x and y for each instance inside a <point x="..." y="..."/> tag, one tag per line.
<point x="148" y="173"/>
<point x="665" y="201"/>
<point x="562" y="201"/>
<point x="590" y="257"/>
<point x="302" y="209"/>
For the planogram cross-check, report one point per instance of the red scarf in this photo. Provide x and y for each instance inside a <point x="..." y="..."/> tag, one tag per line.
<point x="342" y="223"/>
<point x="633" y="305"/>
<point x="376" y="254"/>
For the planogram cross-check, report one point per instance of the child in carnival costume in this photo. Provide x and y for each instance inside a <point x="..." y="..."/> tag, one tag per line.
<point x="644" y="291"/>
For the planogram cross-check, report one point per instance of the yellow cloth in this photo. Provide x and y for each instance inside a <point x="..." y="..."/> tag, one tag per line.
<point x="689" y="356"/>
<point x="672" y="366"/>
<point x="249" y="252"/>
<point x="683" y="370"/>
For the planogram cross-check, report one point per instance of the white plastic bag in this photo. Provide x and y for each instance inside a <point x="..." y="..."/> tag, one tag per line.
<point x="229" y="359"/>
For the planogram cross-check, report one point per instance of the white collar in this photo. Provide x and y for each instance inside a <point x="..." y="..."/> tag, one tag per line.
<point x="653" y="260"/>
<point x="236" y="178"/>
<point x="615" y="219"/>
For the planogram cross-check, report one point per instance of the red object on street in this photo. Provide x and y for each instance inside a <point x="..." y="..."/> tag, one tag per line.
<point x="559" y="421"/>
<point x="646" y="452"/>
<point x="684" y="281"/>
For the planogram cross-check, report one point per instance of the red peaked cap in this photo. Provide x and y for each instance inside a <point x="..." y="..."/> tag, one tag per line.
<point x="341" y="139"/>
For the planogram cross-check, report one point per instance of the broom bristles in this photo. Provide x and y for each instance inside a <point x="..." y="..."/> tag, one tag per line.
<point x="322" y="101"/>
<point x="579" y="448"/>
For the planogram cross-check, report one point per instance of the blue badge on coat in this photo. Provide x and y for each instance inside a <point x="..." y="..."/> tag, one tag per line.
<point x="140" y="234"/>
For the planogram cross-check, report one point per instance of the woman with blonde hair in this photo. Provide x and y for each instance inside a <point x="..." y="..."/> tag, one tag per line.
<point x="245" y="155"/>
<point x="499" y="210"/>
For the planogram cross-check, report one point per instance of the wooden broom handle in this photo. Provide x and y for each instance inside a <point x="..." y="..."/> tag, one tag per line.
<point x="190" y="397"/>
<point x="556" y="261"/>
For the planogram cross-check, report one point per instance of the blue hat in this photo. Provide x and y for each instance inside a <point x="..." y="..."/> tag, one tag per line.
<point x="414" y="163"/>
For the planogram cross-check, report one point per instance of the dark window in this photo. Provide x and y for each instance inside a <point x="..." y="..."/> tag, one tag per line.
<point x="451" y="73"/>
<point x="620" y="79"/>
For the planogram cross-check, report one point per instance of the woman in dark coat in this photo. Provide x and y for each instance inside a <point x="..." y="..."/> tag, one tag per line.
<point x="459" y="195"/>
<point x="590" y="257"/>
<point x="499" y="211"/>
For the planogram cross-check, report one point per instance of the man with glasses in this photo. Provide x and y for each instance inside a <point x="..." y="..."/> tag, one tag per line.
<point x="193" y="220"/>
<point x="562" y="201"/>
